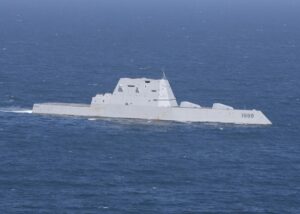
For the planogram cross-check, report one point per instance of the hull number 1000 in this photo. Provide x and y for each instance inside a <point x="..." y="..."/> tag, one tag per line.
<point x="247" y="115"/>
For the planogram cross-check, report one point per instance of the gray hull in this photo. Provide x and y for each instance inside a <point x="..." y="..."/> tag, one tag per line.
<point x="179" y="114"/>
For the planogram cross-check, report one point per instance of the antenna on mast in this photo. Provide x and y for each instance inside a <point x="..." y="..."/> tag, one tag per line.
<point x="164" y="77"/>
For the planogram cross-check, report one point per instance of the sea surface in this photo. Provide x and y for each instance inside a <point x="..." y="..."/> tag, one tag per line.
<point x="241" y="53"/>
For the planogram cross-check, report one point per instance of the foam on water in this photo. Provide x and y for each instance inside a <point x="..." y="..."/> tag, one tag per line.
<point x="16" y="110"/>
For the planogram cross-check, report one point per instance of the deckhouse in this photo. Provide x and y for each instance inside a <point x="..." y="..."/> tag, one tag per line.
<point x="139" y="92"/>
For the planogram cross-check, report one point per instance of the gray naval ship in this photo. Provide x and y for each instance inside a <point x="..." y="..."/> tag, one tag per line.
<point x="151" y="99"/>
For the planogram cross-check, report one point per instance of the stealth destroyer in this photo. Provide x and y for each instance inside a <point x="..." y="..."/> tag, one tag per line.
<point x="151" y="99"/>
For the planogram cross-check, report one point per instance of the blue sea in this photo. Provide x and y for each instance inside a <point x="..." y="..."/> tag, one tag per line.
<point x="242" y="53"/>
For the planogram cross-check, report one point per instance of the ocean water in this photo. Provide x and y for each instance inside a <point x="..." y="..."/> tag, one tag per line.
<point x="241" y="53"/>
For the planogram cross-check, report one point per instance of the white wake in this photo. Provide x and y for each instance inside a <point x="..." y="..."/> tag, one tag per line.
<point x="16" y="110"/>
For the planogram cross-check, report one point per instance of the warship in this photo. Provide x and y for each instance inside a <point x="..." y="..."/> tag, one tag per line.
<point x="151" y="99"/>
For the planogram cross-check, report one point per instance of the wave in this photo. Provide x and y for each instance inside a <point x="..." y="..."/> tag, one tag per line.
<point x="16" y="110"/>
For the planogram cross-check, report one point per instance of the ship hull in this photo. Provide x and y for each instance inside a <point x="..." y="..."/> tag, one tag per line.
<point x="179" y="114"/>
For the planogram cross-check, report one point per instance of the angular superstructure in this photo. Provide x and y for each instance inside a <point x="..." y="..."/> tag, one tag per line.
<point x="151" y="99"/>
<point x="139" y="92"/>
